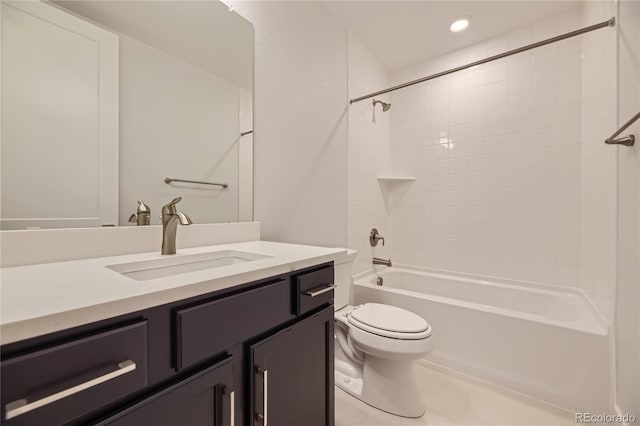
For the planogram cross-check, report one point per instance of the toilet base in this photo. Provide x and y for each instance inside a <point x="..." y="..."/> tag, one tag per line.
<point x="385" y="384"/>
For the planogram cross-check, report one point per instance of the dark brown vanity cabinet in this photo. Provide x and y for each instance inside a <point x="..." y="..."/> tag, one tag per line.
<point x="246" y="356"/>
<point x="204" y="398"/>
<point x="292" y="374"/>
<point x="60" y="383"/>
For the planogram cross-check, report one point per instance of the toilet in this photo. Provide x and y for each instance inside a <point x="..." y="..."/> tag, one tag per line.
<point x="376" y="348"/>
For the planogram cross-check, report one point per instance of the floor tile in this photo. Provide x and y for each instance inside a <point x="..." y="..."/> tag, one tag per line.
<point x="450" y="400"/>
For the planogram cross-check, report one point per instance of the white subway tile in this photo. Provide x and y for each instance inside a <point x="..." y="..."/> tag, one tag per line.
<point x="475" y="129"/>
<point x="502" y="172"/>
<point x="520" y="85"/>
<point x="497" y="91"/>
<point x="497" y="71"/>
<point x="476" y="112"/>
<point x="497" y="126"/>
<point x="496" y="143"/>
<point x="476" y="95"/>
<point x="457" y="165"/>
<point x="520" y="64"/>
<point x="547" y="136"/>
<point x="457" y="116"/>
<point x="496" y="108"/>
<point x="519" y="123"/>
<point x="545" y="57"/>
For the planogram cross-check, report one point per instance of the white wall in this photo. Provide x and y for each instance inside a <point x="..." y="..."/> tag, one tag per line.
<point x="178" y="121"/>
<point x="496" y="153"/>
<point x="368" y="158"/>
<point x="300" y="95"/>
<point x="627" y="321"/>
<point x="598" y="177"/>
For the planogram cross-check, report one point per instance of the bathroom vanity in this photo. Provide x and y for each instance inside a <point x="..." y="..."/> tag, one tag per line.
<point x="239" y="352"/>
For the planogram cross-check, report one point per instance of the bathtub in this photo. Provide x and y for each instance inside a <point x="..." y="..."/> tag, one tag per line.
<point x="547" y="342"/>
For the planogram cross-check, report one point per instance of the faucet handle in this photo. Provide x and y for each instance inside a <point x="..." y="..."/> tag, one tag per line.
<point x="374" y="237"/>
<point x="143" y="208"/>
<point x="170" y="207"/>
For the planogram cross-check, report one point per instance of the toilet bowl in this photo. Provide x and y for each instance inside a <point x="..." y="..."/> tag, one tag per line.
<point x="376" y="346"/>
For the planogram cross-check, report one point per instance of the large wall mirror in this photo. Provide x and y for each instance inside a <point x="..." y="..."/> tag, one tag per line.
<point x="102" y="101"/>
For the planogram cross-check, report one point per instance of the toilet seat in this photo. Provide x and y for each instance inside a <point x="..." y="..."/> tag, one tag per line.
<point x="389" y="321"/>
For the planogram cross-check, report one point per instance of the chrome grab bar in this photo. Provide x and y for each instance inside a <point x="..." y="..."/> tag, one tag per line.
<point x="169" y="180"/>
<point x="21" y="406"/>
<point x="628" y="140"/>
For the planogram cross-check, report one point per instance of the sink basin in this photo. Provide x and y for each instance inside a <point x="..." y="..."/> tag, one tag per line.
<point x="180" y="264"/>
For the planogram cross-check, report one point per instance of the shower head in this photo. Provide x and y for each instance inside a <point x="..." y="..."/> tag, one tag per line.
<point x="385" y="106"/>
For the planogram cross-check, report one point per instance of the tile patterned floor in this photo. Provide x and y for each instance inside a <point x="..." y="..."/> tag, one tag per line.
<point x="455" y="400"/>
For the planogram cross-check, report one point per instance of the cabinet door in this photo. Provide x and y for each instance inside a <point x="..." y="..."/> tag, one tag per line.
<point x="203" y="399"/>
<point x="292" y="375"/>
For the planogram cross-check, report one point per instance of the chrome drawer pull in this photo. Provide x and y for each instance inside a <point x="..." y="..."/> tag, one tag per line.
<point x="21" y="406"/>
<point x="322" y="291"/>
<point x="265" y="396"/>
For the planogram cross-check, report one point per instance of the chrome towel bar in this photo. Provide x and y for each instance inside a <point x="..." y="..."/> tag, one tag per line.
<point x="169" y="180"/>
<point x="628" y="140"/>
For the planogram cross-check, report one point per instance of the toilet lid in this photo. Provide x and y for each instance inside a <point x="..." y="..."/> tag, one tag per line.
<point x="388" y="321"/>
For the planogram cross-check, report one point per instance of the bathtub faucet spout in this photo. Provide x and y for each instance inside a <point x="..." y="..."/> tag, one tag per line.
<point x="378" y="261"/>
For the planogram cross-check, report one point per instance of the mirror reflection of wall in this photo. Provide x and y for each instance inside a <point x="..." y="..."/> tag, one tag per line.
<point x="103" y="100"/>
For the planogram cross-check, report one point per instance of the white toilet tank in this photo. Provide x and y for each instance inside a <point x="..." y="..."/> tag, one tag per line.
<point x="343" y="278"/>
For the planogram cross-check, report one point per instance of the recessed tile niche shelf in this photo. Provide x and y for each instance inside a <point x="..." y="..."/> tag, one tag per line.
<point x="396" y="179"/>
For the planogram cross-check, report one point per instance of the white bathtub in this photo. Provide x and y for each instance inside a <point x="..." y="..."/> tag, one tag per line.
<point x="547" y="342"/>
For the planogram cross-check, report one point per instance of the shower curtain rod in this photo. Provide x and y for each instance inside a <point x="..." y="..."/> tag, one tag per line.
<point x="609" y="23"/>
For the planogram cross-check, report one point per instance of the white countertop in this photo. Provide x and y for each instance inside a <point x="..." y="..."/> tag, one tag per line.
<point x="44" y="298"/>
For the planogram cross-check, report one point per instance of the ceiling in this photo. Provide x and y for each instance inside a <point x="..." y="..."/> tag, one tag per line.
<point x="203" y="33"/>
<point x="402" y="33"/>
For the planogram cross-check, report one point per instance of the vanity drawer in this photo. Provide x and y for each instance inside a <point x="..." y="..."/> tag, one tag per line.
<point x="313" y="289"/>
<point x="61" y="383"/>
<point x="205" y="330"/>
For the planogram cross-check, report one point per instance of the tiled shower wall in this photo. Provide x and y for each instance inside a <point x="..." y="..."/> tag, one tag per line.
<point x="627" y="324"/>
<point x="368" y="156"/>
<point x="599" y="112"/>
<point x="496" y="152"/>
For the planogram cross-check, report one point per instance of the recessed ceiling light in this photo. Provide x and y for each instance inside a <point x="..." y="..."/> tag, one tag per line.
<point x="459" y="25"/>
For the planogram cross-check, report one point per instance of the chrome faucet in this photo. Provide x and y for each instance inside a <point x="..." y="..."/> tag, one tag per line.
<point x="170" y="218"/>
<point x="142" y="216"/>
<point x="378" y="261"/>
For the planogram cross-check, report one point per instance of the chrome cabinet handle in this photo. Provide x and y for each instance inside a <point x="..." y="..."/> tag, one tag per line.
<point x="22" y="406"/>
<point x="232" y="406"/>
<point x="265" y="396"/>
<point x="321" y="291"/>
<point x="232" y="397"/>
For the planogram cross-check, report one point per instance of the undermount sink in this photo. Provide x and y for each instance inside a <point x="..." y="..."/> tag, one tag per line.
<point x="179" y="264"/>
